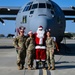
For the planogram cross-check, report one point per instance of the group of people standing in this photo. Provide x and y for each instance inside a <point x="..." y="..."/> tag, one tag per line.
<point x="37" y="46"/>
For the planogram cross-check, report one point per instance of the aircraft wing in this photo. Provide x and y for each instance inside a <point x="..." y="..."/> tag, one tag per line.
<point x="8" y="17"/>
<point x="9" y="10"/>
<point x="8" y="13"/>
<point x="69" y="12"/>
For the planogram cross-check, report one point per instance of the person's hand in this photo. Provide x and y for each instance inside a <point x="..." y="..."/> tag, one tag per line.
<point x="58" y="50"/>
<point x="19" y="48"/>
<point x="52" y="51"/>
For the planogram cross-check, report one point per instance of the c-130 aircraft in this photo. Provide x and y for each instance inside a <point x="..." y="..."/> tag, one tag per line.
<point x="40" y="12"/>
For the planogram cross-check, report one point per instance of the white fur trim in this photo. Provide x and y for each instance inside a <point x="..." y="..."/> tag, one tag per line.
<point x="42" y="60"/>
<point x="40" y="28"/>
<point x="41" y="41"/>
<point x="40" y="34"/>
<point x="37" y="60"/>
<point x="40" y="47"/>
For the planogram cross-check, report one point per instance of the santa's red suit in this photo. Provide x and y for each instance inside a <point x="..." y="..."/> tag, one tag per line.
<point x="40" y="48"/>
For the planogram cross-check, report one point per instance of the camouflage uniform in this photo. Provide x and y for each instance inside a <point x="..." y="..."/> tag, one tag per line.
<point x="30" y="45"/>
<point x="49" y="53"/>
<point x="19" y="41"/>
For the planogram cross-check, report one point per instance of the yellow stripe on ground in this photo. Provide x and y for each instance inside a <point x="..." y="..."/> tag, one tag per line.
<point x="44" y="72"/>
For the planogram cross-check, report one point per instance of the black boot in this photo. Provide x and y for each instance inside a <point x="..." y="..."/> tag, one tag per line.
<point x="37" y="65"/>
<point x="43" y="64"/>
<point x="22" y="64"/>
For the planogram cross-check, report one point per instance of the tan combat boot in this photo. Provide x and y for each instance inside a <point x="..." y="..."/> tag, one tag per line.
<point x="53" y="67"/>
<point x="29" y="68"/>
<point x="19" y="67"/>
<point x="48" y="67"/>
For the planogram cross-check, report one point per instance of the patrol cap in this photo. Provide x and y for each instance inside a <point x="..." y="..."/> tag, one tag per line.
<point x="30" y="32"/>
<point x="49" y="30"/>
<point x="22" y="28"/>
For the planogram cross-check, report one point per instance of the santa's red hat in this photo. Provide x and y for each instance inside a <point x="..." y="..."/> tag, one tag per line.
<point x="40" y="27"/>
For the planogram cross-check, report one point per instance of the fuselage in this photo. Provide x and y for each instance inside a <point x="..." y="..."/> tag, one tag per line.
<point x="45" y="13"/>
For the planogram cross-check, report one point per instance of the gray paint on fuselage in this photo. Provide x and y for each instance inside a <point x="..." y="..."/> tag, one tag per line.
<point x="44" y="17"/>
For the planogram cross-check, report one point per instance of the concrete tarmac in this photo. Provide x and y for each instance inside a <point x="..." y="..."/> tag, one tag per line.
<point x="64" y="61"/>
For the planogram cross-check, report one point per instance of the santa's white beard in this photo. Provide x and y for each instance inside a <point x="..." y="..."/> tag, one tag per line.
<point x="40" y="34"/>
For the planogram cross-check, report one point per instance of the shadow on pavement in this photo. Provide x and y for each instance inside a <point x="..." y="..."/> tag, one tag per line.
<point x="64" y="62"/>
<point x="65" y="67"/>
<point x="6" y="47"/>
<point x="66" y="49"/>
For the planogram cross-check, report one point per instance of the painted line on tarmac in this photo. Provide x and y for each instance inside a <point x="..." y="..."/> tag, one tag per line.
<point x="40" y="72"/>
<point x="48" y="72"/>
<point x="44" y="72"/>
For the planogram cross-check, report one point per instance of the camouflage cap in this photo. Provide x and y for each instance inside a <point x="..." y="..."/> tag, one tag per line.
<point x="22" y="28"/>
<point x="49" y="30"/>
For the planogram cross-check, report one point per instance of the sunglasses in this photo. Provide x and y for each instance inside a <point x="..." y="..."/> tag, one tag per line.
<point x="22" y="31"/>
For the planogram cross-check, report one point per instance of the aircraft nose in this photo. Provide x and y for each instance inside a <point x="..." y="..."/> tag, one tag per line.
<point x="39" y="21"/>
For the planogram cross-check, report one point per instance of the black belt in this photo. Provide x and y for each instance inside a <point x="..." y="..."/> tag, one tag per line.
<point x="40" y="45"/>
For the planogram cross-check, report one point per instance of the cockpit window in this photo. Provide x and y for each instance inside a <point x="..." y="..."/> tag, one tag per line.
<point x="42" y="5"/>
<point x="49" y="6"/>
<point x="31" y="12"/>
<point x="27" y="8"/>
<point x="30" y="7"/>
<point x="34" y="6"/>
<point x="30" y="3"/>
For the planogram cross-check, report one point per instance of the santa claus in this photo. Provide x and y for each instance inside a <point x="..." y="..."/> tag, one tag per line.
<point x="40" y="48"/>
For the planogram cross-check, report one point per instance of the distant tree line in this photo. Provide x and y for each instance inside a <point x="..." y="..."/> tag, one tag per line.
<point x="9" y="35"/>
<point x="73" y="34"/>
<point x="68" y="35"/>
<point x="2" y="35"/>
